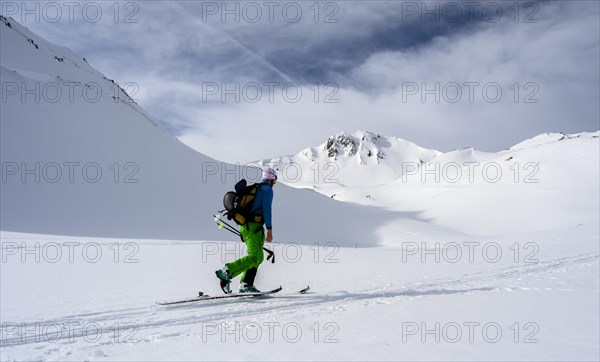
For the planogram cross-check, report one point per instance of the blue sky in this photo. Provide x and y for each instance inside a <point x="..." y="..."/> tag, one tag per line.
<point x="374" y="59"/>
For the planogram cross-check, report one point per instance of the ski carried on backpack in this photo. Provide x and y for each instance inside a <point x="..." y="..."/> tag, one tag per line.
<point x="202" y="296"/>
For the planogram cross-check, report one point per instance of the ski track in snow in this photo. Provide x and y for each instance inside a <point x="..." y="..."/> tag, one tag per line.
<point x="152" y="318"/>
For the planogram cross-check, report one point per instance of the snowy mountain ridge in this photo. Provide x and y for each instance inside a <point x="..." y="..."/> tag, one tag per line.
<point x="61" y="65"/>
<point x="360" y="159"/>
<point x="547" y="138"/>
<point x="366" y="159"/>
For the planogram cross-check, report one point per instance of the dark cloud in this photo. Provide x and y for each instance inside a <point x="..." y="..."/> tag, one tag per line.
<point x="311" y="52"/>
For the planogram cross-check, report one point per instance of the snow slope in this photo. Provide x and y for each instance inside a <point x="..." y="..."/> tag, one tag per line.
<point x="540" y="303"/>
<point x="80" y="158"/>
<point x="533" y="187"/>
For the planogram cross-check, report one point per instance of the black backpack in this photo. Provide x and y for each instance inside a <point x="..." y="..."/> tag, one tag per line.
<point x="238" y="203"/>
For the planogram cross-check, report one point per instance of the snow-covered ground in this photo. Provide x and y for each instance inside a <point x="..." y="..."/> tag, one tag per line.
<point x="526" y="297"/>
<point x="411" y="254"/>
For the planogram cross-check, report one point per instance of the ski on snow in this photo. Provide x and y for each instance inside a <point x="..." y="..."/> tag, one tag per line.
<point x="202" y="296"/>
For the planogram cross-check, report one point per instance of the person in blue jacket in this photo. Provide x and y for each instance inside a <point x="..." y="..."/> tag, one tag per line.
<point x="254" y="237"/>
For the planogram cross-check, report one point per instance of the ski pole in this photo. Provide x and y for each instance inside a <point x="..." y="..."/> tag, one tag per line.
<point x="230" y="228"/>
<point x="227" y="226"/>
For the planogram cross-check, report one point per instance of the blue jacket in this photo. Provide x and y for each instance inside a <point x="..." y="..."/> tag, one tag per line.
<point x="262" y="203"/>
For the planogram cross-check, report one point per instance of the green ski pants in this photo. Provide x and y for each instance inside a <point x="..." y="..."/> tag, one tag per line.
<point x="254" y="237"/>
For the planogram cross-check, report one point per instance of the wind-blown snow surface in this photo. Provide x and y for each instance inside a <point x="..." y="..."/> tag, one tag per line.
<point x="538" y="301"/>
<point x="480" y="268"/>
